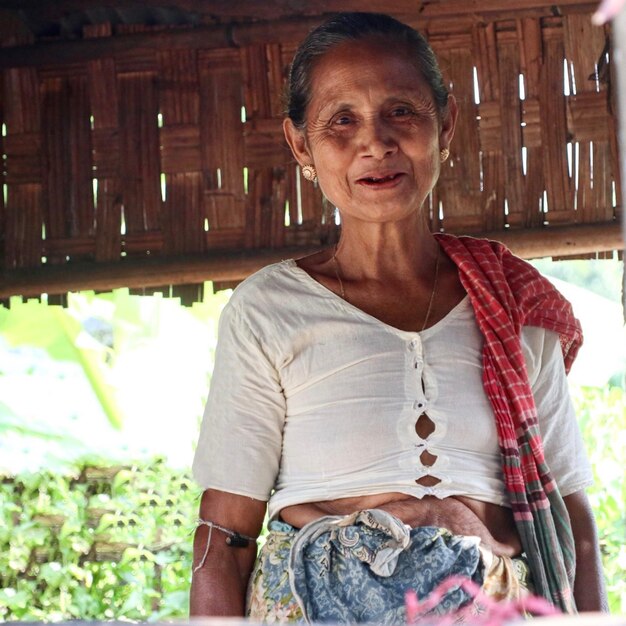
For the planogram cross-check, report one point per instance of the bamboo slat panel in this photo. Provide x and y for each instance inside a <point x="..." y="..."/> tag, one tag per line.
<point x="139" y="151"/>
<point x="459" y="185"/>
<point x="67" y="175"/>
<point x="105" y="152"/>
<point x="511" y="127"/>
<point x="23" y="211"/>
<point x="174" y="150"/>
<point x="489" y="124"/>
<point x="591" y="132"/>
<point x="534" y="180"/>
<point x="560" y="196"/>
<point x="222" y="144"/>
<point x="24" y="208"/>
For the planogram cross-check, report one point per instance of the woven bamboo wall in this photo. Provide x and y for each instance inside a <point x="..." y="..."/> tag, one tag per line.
<point x="178" y="151"/>
<point x="487" y="186"/>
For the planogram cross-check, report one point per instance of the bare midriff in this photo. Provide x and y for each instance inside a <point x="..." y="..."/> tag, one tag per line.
<point x="493" y="524"/>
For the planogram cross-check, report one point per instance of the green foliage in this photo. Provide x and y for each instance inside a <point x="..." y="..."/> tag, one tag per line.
<point x="106" y="360"/>
<point x="601" y="276"/>
<point x="602" y="417"/>
<point x="103" y="543"/>
<point x="59" y="332"/>
<point x="115" y="542"/>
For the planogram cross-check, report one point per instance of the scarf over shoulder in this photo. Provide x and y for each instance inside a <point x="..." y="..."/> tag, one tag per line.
<point x="506" y="294"/>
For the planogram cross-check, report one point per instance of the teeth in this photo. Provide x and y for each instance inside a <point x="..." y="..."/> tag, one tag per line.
<point x="378" y="180"/>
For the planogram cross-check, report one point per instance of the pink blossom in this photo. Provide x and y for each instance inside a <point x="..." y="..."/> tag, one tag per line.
<point x="607" y="10"/>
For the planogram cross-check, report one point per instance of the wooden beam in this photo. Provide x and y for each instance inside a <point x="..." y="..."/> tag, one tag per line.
<point x="144" y="272"/>
<point x="291" y="25"/>
<point x="204" y="37"/>
<point x="57" y="9"/>
<point x="561" y="240"/>
<point x="233" y="266"/>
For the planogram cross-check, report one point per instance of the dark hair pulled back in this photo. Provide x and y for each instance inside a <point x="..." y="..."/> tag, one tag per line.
<point x="353" y="27"/>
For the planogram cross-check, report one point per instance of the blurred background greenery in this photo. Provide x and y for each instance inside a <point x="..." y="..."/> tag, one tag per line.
<point x="100" y="405"/>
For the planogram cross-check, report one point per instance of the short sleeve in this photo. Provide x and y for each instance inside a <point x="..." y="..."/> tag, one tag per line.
<point x="562" y="441"/>
<point x="240" y="438"/>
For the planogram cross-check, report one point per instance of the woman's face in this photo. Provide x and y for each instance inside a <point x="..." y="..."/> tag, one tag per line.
<point x="373" y="132"/>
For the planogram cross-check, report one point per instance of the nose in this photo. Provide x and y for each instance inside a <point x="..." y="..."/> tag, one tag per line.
<point x="377" y="139"/>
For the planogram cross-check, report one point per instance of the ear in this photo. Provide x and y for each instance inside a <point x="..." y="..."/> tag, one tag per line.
<point x="297" y="142"/>
<point x="448" y="123"/>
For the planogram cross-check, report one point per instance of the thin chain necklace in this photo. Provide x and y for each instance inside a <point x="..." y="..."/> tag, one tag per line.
<point x="432" y="293"/>
<point x="342" y="290"/>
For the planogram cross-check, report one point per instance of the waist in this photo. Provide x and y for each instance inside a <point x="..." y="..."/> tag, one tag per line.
<point x="400" y="473"/>
<point x="491" y="523"/>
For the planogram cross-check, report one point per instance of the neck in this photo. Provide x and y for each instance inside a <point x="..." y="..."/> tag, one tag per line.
<point x="398" y="250"/>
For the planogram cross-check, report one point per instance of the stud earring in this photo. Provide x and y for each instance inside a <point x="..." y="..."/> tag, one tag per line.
<point x="444" y="154"/>
<point x="308" y="171"/>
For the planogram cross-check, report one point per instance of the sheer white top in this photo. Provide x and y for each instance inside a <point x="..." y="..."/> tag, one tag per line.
<point x="312" y="399"/>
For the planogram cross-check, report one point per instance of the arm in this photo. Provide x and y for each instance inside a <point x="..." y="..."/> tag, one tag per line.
<point x="565" y="454"/>
<point x="589" y="591"/>
<point x="219" y="586"/>
<point x="238" y="452"/>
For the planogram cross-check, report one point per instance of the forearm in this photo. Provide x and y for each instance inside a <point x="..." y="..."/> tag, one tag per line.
<point x="218" y="586"/>
<point x="589" y="589"/>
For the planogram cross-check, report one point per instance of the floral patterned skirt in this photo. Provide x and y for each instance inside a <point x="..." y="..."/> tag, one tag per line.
<point x="357" y="569"/>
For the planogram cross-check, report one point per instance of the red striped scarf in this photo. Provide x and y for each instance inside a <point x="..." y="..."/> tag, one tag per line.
<point x="506" y="294"/>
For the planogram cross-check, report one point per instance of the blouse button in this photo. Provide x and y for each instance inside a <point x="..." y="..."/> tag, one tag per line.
<point x="418" y="405"/>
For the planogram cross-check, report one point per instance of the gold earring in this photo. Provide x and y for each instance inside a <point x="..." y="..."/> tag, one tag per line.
<point x="308" y="171"/>
<point x="444" y="153"/>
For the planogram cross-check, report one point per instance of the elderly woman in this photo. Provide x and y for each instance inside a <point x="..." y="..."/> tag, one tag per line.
<point x="397" y="402"/>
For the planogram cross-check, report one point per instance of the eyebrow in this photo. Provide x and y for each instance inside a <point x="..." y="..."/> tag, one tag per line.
<point x="412" y="94"/>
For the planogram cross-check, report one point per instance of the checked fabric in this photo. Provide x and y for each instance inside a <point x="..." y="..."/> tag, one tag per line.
<point x="506" y="294"/>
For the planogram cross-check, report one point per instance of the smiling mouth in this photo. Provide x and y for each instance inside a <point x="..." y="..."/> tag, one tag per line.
<point x="373" y="180"/>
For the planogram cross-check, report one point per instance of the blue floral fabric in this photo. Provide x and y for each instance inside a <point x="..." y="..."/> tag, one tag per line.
<point x="357" y="569"/>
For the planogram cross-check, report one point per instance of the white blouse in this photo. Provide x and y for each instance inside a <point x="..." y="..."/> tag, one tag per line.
<point x="313" y="399"/>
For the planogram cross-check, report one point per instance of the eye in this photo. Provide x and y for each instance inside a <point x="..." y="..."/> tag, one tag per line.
<point x="401" y="111"/>
<point x="342" y="119"/>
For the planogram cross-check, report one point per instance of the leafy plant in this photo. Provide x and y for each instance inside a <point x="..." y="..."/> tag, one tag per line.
<point x="97" y="544"/>
<point x="602" y="417"/>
